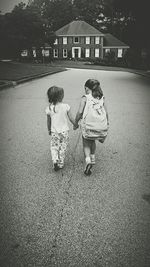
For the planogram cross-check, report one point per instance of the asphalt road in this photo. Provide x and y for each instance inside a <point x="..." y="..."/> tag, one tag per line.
<point x="66" y="219"/>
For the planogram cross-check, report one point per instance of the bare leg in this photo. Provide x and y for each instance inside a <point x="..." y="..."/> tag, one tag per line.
<point x="93" y="147"/>
<point x="86" y="147"/>
<point x="87" y="153"/>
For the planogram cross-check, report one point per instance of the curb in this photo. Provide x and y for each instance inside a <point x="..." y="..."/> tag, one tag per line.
<point x="7" y="84"/>
<point x="26" y="79"/>
<point x="142" y="74"/>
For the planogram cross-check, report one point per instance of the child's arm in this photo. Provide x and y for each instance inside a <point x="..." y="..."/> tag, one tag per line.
<point x="80" y="111"/>
<point x="49" y="124"/>
<point x="105" y="107"/>
<point x="70" y="116"/>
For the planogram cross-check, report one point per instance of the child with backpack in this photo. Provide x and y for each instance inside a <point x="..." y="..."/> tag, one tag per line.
<point x="94" y="121"/>
<point x="58" y="114"/>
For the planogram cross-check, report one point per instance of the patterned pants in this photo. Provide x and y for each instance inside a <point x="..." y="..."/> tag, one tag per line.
<point x="59" y="143"/>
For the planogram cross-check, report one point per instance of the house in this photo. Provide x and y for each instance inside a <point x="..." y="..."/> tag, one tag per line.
<point x="42" y="52"/>
<point x="78" y="40"/>
<point x="112" y="44"/>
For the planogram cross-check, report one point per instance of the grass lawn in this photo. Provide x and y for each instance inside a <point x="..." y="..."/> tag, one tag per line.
<point x="13" y="71"/>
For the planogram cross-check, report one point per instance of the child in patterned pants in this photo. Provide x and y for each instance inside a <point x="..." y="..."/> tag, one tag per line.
<point x="59" y="143"/>
<point x="58" y="114"/>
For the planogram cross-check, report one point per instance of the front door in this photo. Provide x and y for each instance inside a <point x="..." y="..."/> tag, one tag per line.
<point x="76" y="54"/>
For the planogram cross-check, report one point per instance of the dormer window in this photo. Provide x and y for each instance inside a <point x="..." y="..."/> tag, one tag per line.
<point x="76" y="39"/>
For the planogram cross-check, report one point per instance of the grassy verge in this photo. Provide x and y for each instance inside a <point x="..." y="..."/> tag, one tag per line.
<point x="13" y="71"/>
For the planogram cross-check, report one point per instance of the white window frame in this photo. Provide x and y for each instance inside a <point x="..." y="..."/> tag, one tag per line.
<point x="107" y="50"/>
<point x="87" y="40"/>
<point x="55" y="53"/>
<point x="96" y="52"/>
<point x="46" y="53"/>
<point x="120" y="52"/>
<point x="56" y="41"/>
<point x="75" y="41"/>
<point x="79" y="52"/>
<point x="87" y="52"/>
<point x="65" y="53"/>
<point x="24" y="53"/>
<point x="97" y="40"/>
<point x="34" y="53"/>
<point x="64" y="40"/>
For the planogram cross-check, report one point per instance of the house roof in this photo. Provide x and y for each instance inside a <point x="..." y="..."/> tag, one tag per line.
<point x="78" y="27"/>
<point x="111" y="41"/>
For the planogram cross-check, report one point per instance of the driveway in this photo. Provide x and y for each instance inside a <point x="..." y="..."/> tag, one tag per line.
<point x="66" y="219"/>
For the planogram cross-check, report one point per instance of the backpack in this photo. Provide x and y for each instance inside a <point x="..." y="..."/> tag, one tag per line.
<point x="94" y="120"/>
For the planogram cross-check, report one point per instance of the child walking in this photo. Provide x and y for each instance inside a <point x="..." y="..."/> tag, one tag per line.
<point x="94" y="121"/>
<point x="57" y="123"/>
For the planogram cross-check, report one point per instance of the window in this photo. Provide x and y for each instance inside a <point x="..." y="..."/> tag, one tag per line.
<point x="34" y="53"/>
<point x="56" y="41"/>
<point x="96" y="52"/>
<point x="120" y="53"/>
<point x="107" y="50"/>
<point x="96" y="40"/>
<point x="87" y="52"/>
<point x="64" y="53"/>
<point x="55" y="52"/>
<point x="76" y="40"/>
<point x="46" y="52"/>
<point x="24" y="53"/>
<point x="64" y="40"/>
<point x="87" y="40"/>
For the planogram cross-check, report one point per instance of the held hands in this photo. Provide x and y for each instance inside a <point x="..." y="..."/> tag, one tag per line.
<point x="75" y="126"/>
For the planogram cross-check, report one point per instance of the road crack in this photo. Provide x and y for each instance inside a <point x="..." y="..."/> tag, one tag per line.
<point x="67" y="193"/>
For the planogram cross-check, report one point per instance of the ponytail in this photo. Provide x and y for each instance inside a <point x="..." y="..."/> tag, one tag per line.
<point x="97" y="92"/>
<point x="94" y="86"/>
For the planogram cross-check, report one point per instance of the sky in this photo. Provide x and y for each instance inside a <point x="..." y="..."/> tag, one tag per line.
<point x="8" y="5"/>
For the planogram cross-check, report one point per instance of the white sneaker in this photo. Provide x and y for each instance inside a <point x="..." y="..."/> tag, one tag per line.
<point x="88" y="166"/>
<point x="61" y="164"/>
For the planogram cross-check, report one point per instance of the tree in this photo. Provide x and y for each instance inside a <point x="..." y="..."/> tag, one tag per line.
<point x="57" y="12"/>
<point x="138" y="19"/>
<point x="88" y="10"/>
<point x="23" y="28"/>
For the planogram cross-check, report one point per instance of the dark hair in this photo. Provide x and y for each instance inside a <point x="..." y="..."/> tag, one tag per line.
<point x="55" y="94"/>
<point x="94" y="86"/>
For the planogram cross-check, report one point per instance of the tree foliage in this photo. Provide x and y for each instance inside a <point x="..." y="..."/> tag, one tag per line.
<point x="138" y="19"/>
<point x="88" y="10"/>
<point x="23" y="28"/>
<point x="57" y="12"/>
